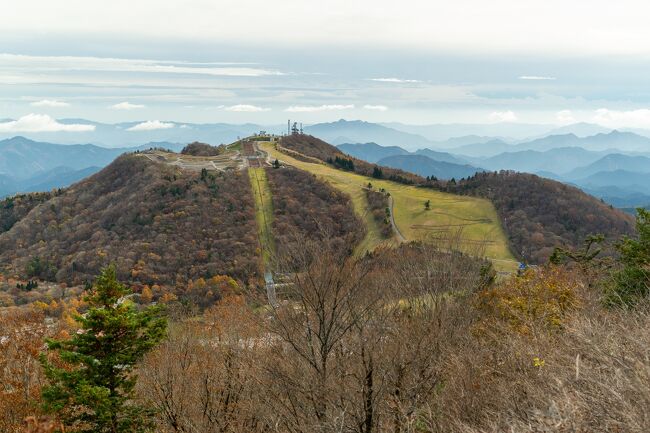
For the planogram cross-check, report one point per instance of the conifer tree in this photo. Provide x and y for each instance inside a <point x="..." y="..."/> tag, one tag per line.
<point x="91" y="385"/>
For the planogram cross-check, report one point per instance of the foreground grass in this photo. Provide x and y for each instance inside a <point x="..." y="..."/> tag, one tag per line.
<point x="263" y="211"/>
<point x="472" y="221"/>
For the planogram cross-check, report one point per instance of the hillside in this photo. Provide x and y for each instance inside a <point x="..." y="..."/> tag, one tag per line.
<point x="158" y="224"/>
<point x="611" y="162"/>
<point x="441" y="156"/>
<point x="558" y="161"/>
<point x="539" y="214"/>
<point x="312" y="147"/>
<point x="630" y="181"/>
<point x="426" y="167"/>
<point x="305" y="207"/>
<point x="15" y="208"/>
<point x="357" y="131"/>
<point x="27" y="165"/>
<point x="468" y="223"/>
<point x="371" y="152"/>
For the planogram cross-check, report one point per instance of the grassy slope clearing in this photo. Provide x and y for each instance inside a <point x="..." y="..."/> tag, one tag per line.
<point x="263" y="211"/>
<point x="448" y="213"/>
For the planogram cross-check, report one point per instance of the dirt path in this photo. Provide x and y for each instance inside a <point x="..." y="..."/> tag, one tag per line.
<point x="400" y="237"/>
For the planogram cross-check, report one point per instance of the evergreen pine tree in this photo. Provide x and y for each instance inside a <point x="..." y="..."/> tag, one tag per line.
<point x="91" y="387"/>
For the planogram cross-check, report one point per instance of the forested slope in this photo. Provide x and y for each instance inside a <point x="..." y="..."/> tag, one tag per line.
<point x="158" y="224"/>
<point x="539" y="214"/>
<point x="304" y="206"/>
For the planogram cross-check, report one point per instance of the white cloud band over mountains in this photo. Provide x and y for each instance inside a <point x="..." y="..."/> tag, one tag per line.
<point x="315" y="108"/>
<point x="42" y="123"/>
<point x="49" y="103"/>
<point x="126" y="106"/>
<point x="503" y="116"/>
<point x="151" y="125"/>
<point x="246" y="108"/>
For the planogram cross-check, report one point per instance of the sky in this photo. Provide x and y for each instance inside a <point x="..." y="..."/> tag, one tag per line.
<point x="417" y="62"/>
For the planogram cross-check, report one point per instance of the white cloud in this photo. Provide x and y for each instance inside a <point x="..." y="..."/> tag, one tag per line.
<point x="51" y="103"/>
<point x="536" y="77"/>
<point x="49" y="64"/>
<point x="126" y="106"/>
<point x="246" y="108"/>
<point x="376" y="107"/>
<point x="42" y="123"/>
<point x="394" y="80"/>
<point x="151" y="125"/>
<point x="565" y="116"/>
<point x="617" y="119"/>
<point x="503" y="116"/>
<point x="314" y="108"/>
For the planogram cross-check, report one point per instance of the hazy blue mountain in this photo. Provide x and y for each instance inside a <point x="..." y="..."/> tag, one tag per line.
<point x="621" y="141"/>
<point x="483" y="149"/>
<point x="371" y="152"/>
<point x="357" y="131"/>
<point x="27" y="165"/>
<point x="611" y="162"/>
<point x="464" y="140"/>
<point x="558" y="161"/>
<point x="441" y="156"/>
<point x="425" y="166"/>
<point x="623" y="179"/>
<point x="119" y="135"/>
<point x="580" y="129"/>
<point x="21" y="158"/>
<point x="504" y="130"/>
<point x="59" y="177"/>
<point x="7" y="185"/>
<point x="619" y="197"/>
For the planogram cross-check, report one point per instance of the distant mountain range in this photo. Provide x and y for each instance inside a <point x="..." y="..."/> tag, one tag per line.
<point x="425" y="166"/>
<point x="565" y="153"/>
<point x="425" y="162"/>
<point x="357" y="131"/>
<point x="558" y="161"/>
<point x="27" y="165"/>
<point x="130" y="134"/>
<point x="612" y="162"/>
<point x="620" y="179"/>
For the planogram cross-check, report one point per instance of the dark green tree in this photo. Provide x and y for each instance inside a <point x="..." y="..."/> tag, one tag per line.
<point x="276" y="164"/>
<point x="427" y="205"/>
<point x="91" y="385"/>
<point x="632" y="282"/>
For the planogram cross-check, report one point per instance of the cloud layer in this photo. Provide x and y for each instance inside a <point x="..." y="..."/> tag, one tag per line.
<point x="375" y="107"/>
<point x="151" y="125"/>
<point x="536" y="78"/>
<point x="50" y="103"/>
<point x="394" y="80"/>
<point x="246" y="108"/>
<point x="42" y="123"/>
<point x="316" y="108"/>
<point x="126" y="106"/>
<point x="503" y="116"/>
<point x="639" y="118"/>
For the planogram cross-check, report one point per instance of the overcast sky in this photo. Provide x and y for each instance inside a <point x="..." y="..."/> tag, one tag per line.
<point x="264" y="61"/>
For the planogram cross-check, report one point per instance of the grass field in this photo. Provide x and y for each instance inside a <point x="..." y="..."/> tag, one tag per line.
<point x="472" y="221"/>
<point x="263" y="211"/>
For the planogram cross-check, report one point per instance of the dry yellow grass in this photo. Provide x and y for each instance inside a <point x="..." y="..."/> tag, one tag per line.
<point x="472" y="220"/>
<point x="263" y="211"/>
